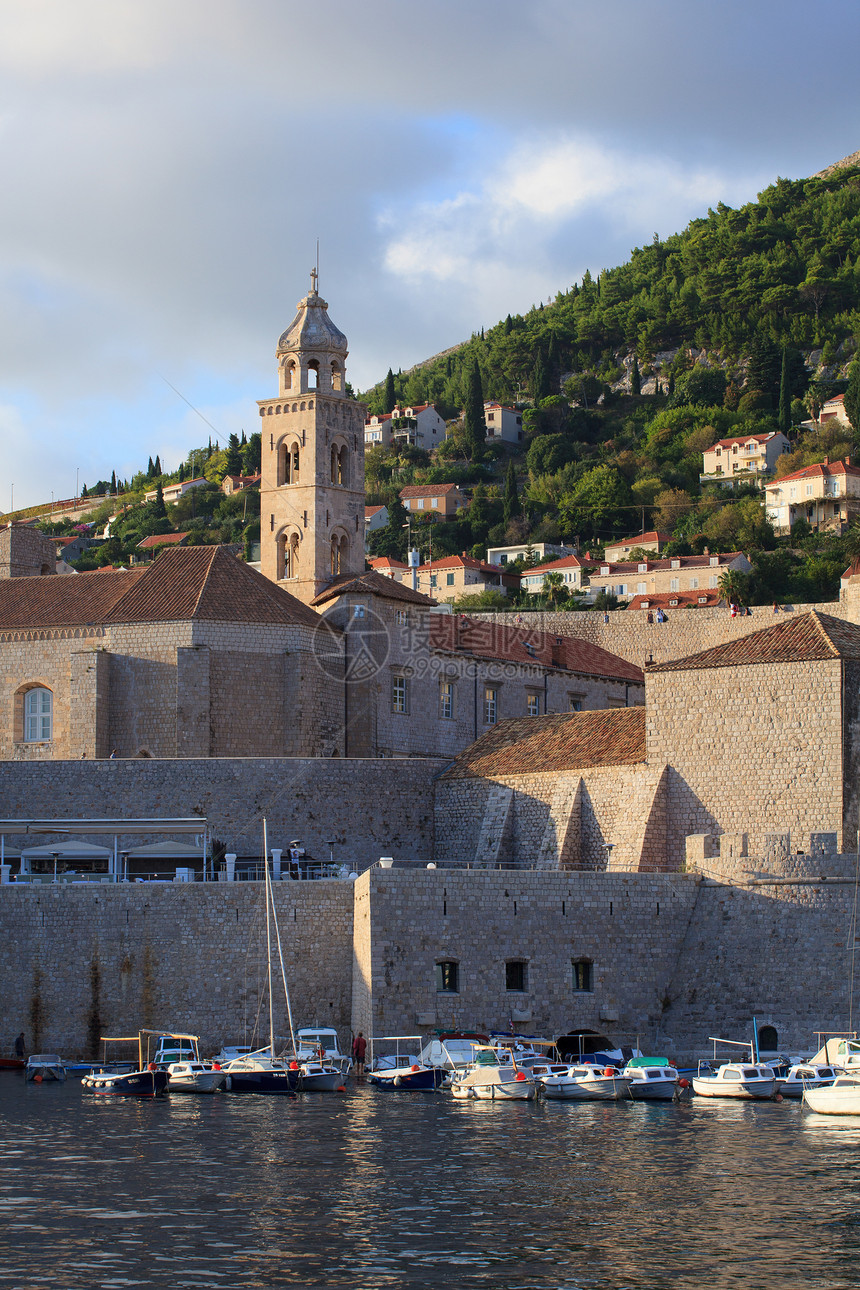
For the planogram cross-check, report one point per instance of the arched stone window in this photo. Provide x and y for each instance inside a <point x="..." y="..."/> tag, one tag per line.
<point x="768" y="1039"/>
<point x="313" y="374"/>
<point x="336" y="376"/>
<point x="289" y="375"/>
<point x="339" y="554"/>
<point x="289" y="544"/>
<point x="38" y="715"/>
<point x="338" y="465"/>
<point x="288" y="463"/>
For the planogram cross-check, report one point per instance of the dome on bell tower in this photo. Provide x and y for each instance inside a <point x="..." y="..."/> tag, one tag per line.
<point x="312" y="329"/>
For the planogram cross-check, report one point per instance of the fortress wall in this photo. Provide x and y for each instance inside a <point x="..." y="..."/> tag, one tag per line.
<point x="367" y="808"/>
<point x="766" y="747"/>
<point x="110" y="959"/>
<point x="686" y="631"/>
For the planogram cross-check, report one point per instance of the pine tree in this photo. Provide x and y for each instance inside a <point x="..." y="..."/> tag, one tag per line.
<point x="671" y="384"/>
<point x="635" y="379"/>
<point x="784" y="419"/>
<point x="83" y="492"/>
<point x="475" y="423"/>
<point x="160" y="508"/>
<point x="234" y="456"/>
<point x="512" y="497"/>
<point x="150" y="469"/>
<point x="509" y="324"/>
<point x="157" y="465"/>
<point x="852" y="397"/>
<point x="389" y="397"/>
<point x="113" y="483"/>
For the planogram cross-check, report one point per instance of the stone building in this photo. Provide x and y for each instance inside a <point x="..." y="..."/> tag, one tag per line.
<point x="26" y="553"/>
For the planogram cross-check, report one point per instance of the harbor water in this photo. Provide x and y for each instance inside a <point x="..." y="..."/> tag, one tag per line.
<point x="374" y="1189"/>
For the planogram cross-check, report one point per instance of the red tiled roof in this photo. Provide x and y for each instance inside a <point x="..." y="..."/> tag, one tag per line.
<point x="677" y="600"/>
<point x="386" y="562"/>
<point x="567" y="741"/>
<point x="378" y="418"/>
<point x="669" y="562"/>
<point x="837" y="398"/>
<point x="370" y="511"/>
<point x="653" y="536"/>
<point x="371" y="583"/>
<point x="468" y="562"/>
<point x="486" y="638"/>
<point x="427" y="490"/>
<point x="821" y="470"/>
<point x="161" y="539"/>
<point x="745" y="438"/>
<point x="566" y="562"/>
<point x="79" y="600"/>
<point x="799" y="639"/>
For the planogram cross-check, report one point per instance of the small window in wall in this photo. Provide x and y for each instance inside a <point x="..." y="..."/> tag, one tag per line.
<point x="400" y="694"/>
<point x="358" y="611"/>
<point x="583" y="974"/>
<point x="401" y="617"/>
<point x="449" y="579"/>
<point x="768" y="1039"/>
<point x="491" y="706"/>
<point x="446" y="700"/>
<point x="516" y="975"/>
<point x="447" y="977"/>
<point x="575" y="702"/>
<point x="38" y="715"/>
<point x="533" y="705"/>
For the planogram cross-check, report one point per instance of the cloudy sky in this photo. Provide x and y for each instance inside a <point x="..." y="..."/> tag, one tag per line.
<point x="167" y="166"/>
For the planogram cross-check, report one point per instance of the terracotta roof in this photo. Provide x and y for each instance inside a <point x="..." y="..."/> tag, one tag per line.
<point x="669" y="562"/>
<point x="486" y="638"/>
<point x="371" y="583"/>
<point x="567" y="741"/>
<point x="427" y="490"/>
<point x="370" y="511"/>
<point x="468" y="562"/>
<point x="209" y="584"/>
<point x="837" y="398"/>
<point x="853" y="568"/>
<point x="161" y="539"/>
<point x="566" y="562"/>
<point x="821" y="470"/>
<point x="677" y="600"/>
<point x="745" y="438"/>
<point x="652" y="536"/>
<point x="799" y="639"/>
<point x="84" y="599"/>
<point x="387" y="562"/>
<point x="378" y="418"/>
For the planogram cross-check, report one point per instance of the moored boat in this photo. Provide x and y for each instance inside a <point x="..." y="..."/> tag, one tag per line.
<point x="736" y="1079"/>
<point x="44" y="1068"/>
<point x="259" y="1073"/>
<point x="142" y="1083"/>
<point x="492" y="1080"/>
<point x="842" y="1097"/>
<point x="585" y="1083"/>
<point x="652" y="1079"/>
<point x="195" y="1077"/>
<point x="410" y="1078"/>
<point x="806" y="1075"/>
<point x="320" y="1043"/>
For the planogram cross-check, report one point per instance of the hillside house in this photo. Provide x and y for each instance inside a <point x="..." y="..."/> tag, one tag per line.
<point x="458" y="575"/>
<point x="826" y="495"/>
<point x="445" y="499"/>
<point x="691" y="573"/>
<point x="574" y="575"/>
<point x="744" y="460"/>
<point x="173" y="492"/>
<point x="834" y="410"/>
<point x="539" y="552"/>
<point x="504" y="425"/>
<point x="651" y="541"/>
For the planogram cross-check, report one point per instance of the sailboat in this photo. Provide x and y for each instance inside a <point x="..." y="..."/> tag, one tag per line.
<point x="261" y="1071"/>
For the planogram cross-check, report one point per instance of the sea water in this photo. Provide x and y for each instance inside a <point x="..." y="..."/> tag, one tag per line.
<point x="385" y="1189"/>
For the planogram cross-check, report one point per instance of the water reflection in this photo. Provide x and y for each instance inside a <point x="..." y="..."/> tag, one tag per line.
<point x="418" y="1190"/>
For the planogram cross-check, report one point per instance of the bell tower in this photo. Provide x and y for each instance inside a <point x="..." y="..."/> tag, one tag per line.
<point x="312" y="485"/>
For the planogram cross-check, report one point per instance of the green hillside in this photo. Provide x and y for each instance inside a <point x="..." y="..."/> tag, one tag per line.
<point x="744" y="322"/>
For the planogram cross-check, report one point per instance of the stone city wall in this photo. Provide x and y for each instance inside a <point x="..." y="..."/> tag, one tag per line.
<point x="686" y="631"/>
<point x="366" y="809"/>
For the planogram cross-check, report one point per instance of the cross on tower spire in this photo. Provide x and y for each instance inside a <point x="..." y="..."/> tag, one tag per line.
<point x="314" y="278"/>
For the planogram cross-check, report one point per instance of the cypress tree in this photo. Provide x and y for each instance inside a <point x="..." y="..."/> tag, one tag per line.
<point x="160" y="508"/>
<point x="150" y="470"/>
<point x="512" y="497"/>
<point x="475" y="422"/>
<point x="508" y="325"/>
<point x="83" y="492"/>
<point x="671" y="384"/>
<point x="157" y="465"/>
<point x="113" y="483"/>
<point x="635" y="378"/>
<point x="784" y="419"/>
<point x="852" y="397"/>
<point x="234" y="456"/>
<point x="389" y="397"/>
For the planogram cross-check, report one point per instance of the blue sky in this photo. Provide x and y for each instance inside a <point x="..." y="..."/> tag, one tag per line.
<point x="168" y="167"/>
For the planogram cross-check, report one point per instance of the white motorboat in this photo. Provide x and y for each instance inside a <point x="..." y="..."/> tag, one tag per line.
<point x="195" y="1077"/>
<point x="842" y="1097"/>
<point x="317" y="1076"/>
<point x="452" y="1050"/>
<point x="652" y="1079"/>
<point x="804" y="1075"/>
<point x="840" y="1051"/>
<point x="585" y="1083"/>
<point x="44" y="1068"/>
<point x="229" y="1053"/>
<point x="736" y="1079"/>
<point x="493" y="1080"/>
<point x="320" y="1042"/>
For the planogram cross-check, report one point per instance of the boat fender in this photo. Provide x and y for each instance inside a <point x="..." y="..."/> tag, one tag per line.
<point x="397" y="1081"/>
<point x="152" y="1066"/>
<point x="519" y="1076"/>
<point x="777" y="1097"/>
<point x="414" y="1068"/>
<point x="294" y="1066"/>
<point x="341" y="1088"/>
<point x="683" y="1083"/>
<point x="216" y="1066"/>
<point x="609" y="1070"/>
<point x="228" y="1083"/>
<point x="37" y="1079"/>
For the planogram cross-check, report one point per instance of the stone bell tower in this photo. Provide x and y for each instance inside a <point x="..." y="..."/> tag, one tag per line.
<point x="312" y="486"/>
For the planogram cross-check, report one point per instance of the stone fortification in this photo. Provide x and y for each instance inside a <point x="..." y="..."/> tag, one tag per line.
<point x="366" y="808"/>
<point x="686" y="631"/>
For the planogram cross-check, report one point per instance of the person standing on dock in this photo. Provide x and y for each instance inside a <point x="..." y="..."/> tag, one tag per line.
<point x="19" y="1047"/>
<point x="359" y="1048"/>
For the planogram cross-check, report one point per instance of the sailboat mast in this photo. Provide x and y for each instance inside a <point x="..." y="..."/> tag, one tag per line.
<point x="268" y="938"/>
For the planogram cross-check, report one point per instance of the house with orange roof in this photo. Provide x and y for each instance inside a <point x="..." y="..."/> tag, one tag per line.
<point x="826" y="495"/>
<point x="375" y="517"/>
<point x="458" y="575"/>
<point x="574" y="575"/>
<point x="231" y="484"/>
<point x="445" y="499"/>
<point x="150" y="545"/>
<point x="746" y="459"/>
<point x="173" y="492"/>
<point x="834" y="410"/>
<point x="419" y="425"/>
<point x="651" y="541"/>
<point x="504" y="425"/>
<point x="688" y="573"/>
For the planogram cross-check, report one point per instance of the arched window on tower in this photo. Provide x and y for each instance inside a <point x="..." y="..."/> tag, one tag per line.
<point x="338" y="465"/>
<point x="336" y="376"/>
<point x="288" y="466"/>
<point x="339" y="554"/>
<point x="290" y="561"/>
<point x="313" y="374"/>
<point x="290" y="376"/>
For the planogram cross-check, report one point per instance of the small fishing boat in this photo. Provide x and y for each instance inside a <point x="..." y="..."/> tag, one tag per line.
<point x="141" y="1083"/>
<point x="452" y="1049"/>
<point x="317" y="1076"/>
<point x="320" y="1042"/>
<point x="410" y="1078"/>
<point x="44" y="1068"/>
<point x="195" y="1077"/>
<point x="586" y="1083"/>
<point x="736" y="1079"/>
<point x="652" y="1079"/>
<point x="492" y="1080"/>
<point x="804" y="1075"/>
<point x="260" y="1072"/>
<point x="842" y="1097"/>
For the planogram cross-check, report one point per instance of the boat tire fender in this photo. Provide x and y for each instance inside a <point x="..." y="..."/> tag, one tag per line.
<point x="228" y="1083"/>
